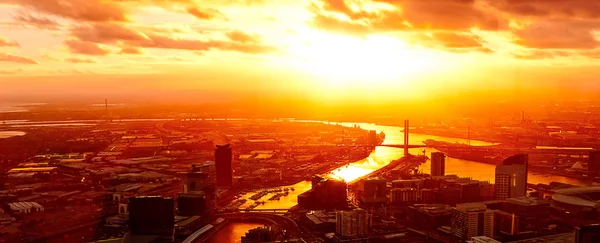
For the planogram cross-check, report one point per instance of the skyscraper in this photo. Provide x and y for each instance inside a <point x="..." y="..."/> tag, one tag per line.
<point x="438" y="164"/>
<point x="594" y="162"/>
<point x="472" y="219"/>
<point x="511" y="177"/>
<point x="223" y="165"/>
<point x="352" y="223"/>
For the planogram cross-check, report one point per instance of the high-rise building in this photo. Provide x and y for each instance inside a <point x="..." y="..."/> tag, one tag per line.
<point x="372" y="190"/>
<point x="151" y="216"/>
<point x="438" y="164"/>
<point x="594" y="162"/>
<point x="472" y="219"/>
<point x="511" y="177"/>
<point x="587" y="234"/>
<point x="352" y="223"/>
<point x="224" y="165"/>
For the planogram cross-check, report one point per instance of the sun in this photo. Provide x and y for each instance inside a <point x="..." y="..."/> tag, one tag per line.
<point x="373" y="61"/>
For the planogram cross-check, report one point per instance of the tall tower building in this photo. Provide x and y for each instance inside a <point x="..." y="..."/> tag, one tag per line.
<point x="594" y="162"/>
<point x="224" y="165"/>
<point x="511" y="177"/>
<point x="438" y="164"/>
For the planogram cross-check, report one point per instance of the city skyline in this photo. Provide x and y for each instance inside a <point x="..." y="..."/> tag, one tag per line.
<point x="323" y="49"/>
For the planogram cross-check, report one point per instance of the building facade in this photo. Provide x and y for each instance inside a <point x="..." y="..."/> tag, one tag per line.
<point x="224" y="165"/>
<point x="438" y="164"/>
<point x="472" y="219"/>
<point x="352" y="223"/>
<point x="511" y="177"/>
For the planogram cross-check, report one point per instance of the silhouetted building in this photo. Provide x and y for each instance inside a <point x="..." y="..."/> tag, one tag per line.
<point x="352" y="223"/>
<point x="224" y="165"/>
<point x="372" y="190"/>
<point x="427" y="196"/>
<point x="151" y="216"/>
<point x="587" y="234"/>
<point x="326" y="193"/>
<point x="412" y="183"/>
<point x="429" y="216"/>
<point x="594" y="162"/>
<point x="472" y="219"/>
<point x="438" y="164"/>
<point x="469" y="191"/>
<point x="449" y="196"/>
<point x="259" y="235"/>
<point x="193" y="203"/>
<point x="511" y="177"/>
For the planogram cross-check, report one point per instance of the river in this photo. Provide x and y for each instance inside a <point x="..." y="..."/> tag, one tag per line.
<point x="381" y="156"/>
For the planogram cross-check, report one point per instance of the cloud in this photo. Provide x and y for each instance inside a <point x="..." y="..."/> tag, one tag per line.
<point x="130" y="50"/>
<point x="549" y="8"/>
<point x="83" y="10"/>
<point x="456" y="39"/>
<point x="38" y="22"/>
<point x="122" y="35"/>
<point x="534" y="54"/>
<point x="573" y="34"/>
<point x="405" y="15"/>
<point x="240" y="36"/>
<point x="107" y="33"/>
<point x="80" y="60"/>
<point x="86" y="48"/>
<point x="16" y="59"/>
<point x="6" y="42"/>
<point x="336" y="25"/>
<point x="205" y="13"/>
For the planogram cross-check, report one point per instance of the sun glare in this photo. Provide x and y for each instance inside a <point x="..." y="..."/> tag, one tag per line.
<point x="374" y="61"/>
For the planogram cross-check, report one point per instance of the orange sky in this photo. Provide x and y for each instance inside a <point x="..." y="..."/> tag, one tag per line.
<point x="325" y="49"/>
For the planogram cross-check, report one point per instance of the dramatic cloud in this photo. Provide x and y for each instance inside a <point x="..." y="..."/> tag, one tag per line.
<point x="86" y="48"/>
<point x="413" y="14"/>
<point x="84" y="10"/>
<point x="130" y="50"/>
<point x="549" y="8"/>
<point x="118" y="34"/>
<point x="240" y="36"/>
<point x="16" y="59"/>
<point x="38" y="22"/>
<point x="206" y="14"/>
<point x="575" y="34"/>
<point x="6" y="42"/>
<point x="452" y="39"/>
<point x="80" y="60"/>
<point x="541" y="54"/>
<point x="107" y="33"/>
